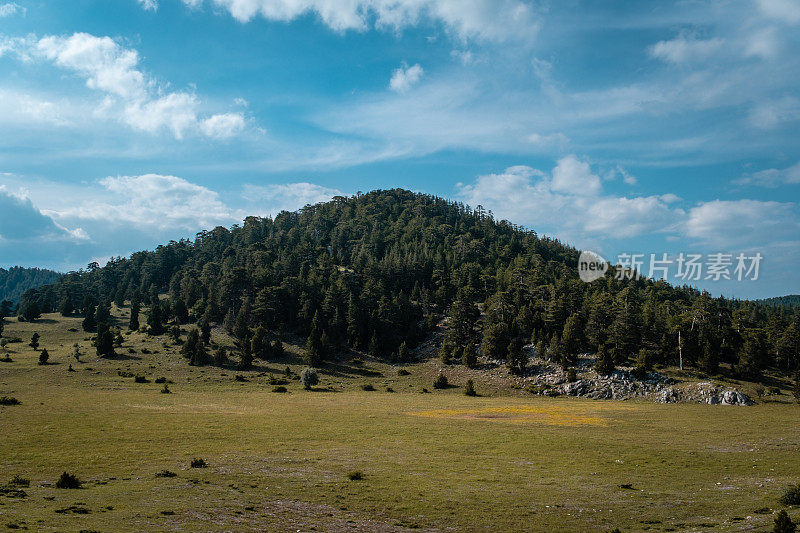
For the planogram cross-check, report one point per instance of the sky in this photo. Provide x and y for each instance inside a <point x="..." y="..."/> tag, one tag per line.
<point x="663" y="127"/>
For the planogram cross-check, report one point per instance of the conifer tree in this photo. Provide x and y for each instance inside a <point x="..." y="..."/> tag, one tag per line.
<point x="516" y="358"/>
<point x="314" y="346"/>
<point x="605" y="361"/>
<point x="34" y="340"/>
<point x="133" y="323"/>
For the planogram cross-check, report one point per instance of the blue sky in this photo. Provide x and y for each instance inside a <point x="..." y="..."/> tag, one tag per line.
<point x="621" y="127"/>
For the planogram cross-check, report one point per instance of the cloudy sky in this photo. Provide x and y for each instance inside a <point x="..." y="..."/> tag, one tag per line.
<point x="621" y="127"/>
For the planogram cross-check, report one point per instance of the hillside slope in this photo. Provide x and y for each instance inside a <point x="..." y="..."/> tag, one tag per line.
<point x="375" y="272"/>
<point x="16" y="280"/>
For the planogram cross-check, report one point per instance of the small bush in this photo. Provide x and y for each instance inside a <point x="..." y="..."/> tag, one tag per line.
<point x="440" y="382"/>
<point x="20" y="481"/>
<point x="572" y="375"/>
<point x="166" y="390"/>
<point x="425" y="391"/>
<point x="198" y="463"/>
<point x="160" y="380"/>
<point x="469" y="388"/>
<point x="279" y="388"/>
<point x="166" y="473"/>
<point x="784" y="524"/>
<point x="403" y="372"/>
<point x="309" y="378"/>
<point x="389" y="389"/>
<point x="367" y="387"/>
<point x="791" y="496"/>
<point x="140" y="379"/>
<point x="355" y="475"/>
<point x="9" y="400"/>
<point x="240" y="378"/>
<point x="68" y="481"/>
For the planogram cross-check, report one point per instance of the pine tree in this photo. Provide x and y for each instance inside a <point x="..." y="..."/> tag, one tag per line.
<point x="43" y="356"/>
<point x="34" y="340"/>
<point x="102" y="316"/>
<point x="220" y="356"/>
<point x="314" y="347"/>
<point x="105" y="343"/>
<point x="516" y="358"/>
<point x="605" y="361"/>
<point x="784" y="524"/>
<point x="796" y="388"/>
<point x="155" y="319"/>
<point x="246" y="361"/>
<point x="66" y="308"/>
<point x="572" y="339"/>
<point x="402" y="353"/>
<point x="133" y="323"/>
<point x="259" y="344"/>
<point x="205" y="331"/>
<point x="468" y="356"/>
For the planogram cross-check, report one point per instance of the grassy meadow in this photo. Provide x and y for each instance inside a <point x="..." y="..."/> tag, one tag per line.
<point x="431" y="461"/>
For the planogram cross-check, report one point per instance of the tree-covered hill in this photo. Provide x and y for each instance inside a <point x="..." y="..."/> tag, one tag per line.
<point x="790" y="300"/>
<point x="378" y="271"/>
<point x="16" y="280"/>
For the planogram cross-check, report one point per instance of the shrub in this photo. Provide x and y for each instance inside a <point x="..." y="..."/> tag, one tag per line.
<point x="20" y="481"/>
<point x="8" y="400"/>
<point x="309" y="378"/>
<point x="469" y="388"/>
<point x="43" y="356"/>
<point x="355" y="475"/>
<point x="440" y="382"/>
<point x="68" y="481"/>
<point x="791" y="496"/>
<point x="784" y="524"/>
<point x="279" y="388"/>
<point x="140" y="379"/>
<point x="241" y="378"/>
<point x="389" y="389"/>
<point x="166" y="390"/>
<point x="367" y="387"/>
<point x="572" y="375"/>
<point x="403" y="372"/>
<point x="198" y="463"/>
<point x="160" y="380"/>
<point x="166" y="473"/>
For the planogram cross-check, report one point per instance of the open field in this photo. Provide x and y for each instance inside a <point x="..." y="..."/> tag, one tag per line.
<point x="432" y="461"/>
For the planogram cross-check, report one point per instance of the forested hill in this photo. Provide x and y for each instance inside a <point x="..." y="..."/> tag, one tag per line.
<point x="790" y="300"/>
<point x="378" y="271"/>
<point x="16" y="280"/>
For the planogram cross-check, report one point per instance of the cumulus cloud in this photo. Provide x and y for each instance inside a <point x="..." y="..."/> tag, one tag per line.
<point x="130" y="95"/>
<point x="10" y="8"/>
<point x="497" y="20"/>
<point x="568" y="202"/>
<point x="405" y="77"/>
<point x="287" y="196"/>
<point x="729" y="222"/>
<point x="787" y="11"/>
<point x="21" y="221"/>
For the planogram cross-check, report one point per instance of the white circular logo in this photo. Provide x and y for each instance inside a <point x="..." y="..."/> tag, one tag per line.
<point x="591" y="266"/>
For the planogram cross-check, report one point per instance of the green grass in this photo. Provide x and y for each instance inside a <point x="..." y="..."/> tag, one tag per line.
<point x="442" y="460"/>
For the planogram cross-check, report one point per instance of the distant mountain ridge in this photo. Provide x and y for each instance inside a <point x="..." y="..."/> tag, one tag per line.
<point x="790" y="300"/>
<point x="16" y="280"/>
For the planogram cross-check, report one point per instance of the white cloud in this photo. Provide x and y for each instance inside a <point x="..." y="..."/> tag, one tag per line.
<point x="568" y="203"/>
<point x="763" y="43"/>
<point x="150" y="5"/>
<point x="405" y="77"/>
<point x="10" y="8"/>
<point x="497" y="20"/>
<point x="728" y="222"/>
<point x="573" y="176"/>
<point x="223" y="126"/>
<point x="24" y="222"/>
<point x="684" y="49"/>
<point x="130" y="95"/>
<point x="287" y="196"/>
<point x="773" y="177"/>
<point x="781" y="10"/>
<point x="153" y="201"/>
<point x="770" y="114"/>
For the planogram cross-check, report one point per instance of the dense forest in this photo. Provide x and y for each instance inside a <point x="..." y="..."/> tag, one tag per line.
<point x="377" y="272"/>
<point x="791" y="300"/>
<point x="16" y="280"/>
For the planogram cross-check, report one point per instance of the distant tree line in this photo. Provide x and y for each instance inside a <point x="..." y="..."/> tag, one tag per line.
<point x="376" y="272"/>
